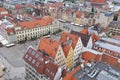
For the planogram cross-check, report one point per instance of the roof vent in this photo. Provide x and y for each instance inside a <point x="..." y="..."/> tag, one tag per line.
<point x="46" y="62"/>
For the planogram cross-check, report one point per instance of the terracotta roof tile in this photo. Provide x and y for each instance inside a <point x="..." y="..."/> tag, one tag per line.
<point x="66" y="49"/>
<point x="31" y="24"/>
<point x="49" y="46"/>
<point x="78" y="14"/>
<point x="2" y="9"/>
<point x="72" y="37"/>
<point x="88" y="56"/>
<point x="40" y="63"/>
<point x="84" y="31"/>
<point x="98" y="1"/>
<point x="3" y="15"/>
<point x="10" y="30"/>
<point x="70" y="76"/>
<point x="116" y="37"/>
<point x="85" y="38"/>
<point x="52" y="68"/>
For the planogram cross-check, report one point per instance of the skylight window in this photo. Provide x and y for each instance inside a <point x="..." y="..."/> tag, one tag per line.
<point x="36" y="55"/>
<point x="33" y="52"/>
<point x="33" y="61"/>
<point x="30" y="58"/>
<point x="40" y="58"/>
<point x="26" y="56"/>
<point x="37" y="64"/>
<point x="30" y="50"/>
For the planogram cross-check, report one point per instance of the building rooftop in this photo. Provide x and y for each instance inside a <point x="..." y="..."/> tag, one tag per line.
<point x="31" y="24"/>
<point x="69" y="39"/>
<point x="114" y="24"/>
<point x="108" y="46"/>
<point x="49" y="46"/>
<point x="84" y="37"/>
<point x="40" y="63"/>
<point x="110" y="73"/>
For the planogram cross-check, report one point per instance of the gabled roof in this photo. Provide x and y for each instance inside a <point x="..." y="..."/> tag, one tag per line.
<point x="33" y="55"/>
<point x="98" y="1"/>
<point x="65" y="36"/>
<point x="49" y="46"/>
<point x="3" y="15"/>
<point x="2" y="9"/>
<point x="88" y="56"/>
<point x="85" y="38"/>
<point x="66" y="49"/>
<point x="78" y="14"/>
<point x="9" y="30"/>
<point x="116" y="37"/>
<point x="41" y="63"/>
<point x="51" y="70"/>
<point x="84" y="31"/>
<point x="46" y="20"/>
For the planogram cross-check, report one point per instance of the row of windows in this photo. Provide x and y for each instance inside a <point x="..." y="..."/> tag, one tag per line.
<point x="50" y="72"/>
<point x="36" y="29"/>
<point x="107" y="51"/>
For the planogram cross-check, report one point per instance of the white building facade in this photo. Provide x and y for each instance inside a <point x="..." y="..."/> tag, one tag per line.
<point x="77" y="51"/>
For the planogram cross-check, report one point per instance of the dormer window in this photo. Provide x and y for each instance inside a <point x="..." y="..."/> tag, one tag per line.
<point x="37" y="25"/>
<point x="11" y="33"/>
<point x="26" y="56"/>
<point x="25" y="28"/>
<point x="30" y="58"/>
<point x="37" y="64"/>
<point x="33" y="61"/>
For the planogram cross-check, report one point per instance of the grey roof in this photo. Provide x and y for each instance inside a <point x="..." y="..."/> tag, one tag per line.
<point x="111" y="40"/>
<point x="103" y="75"/>
<point x="114" y="24"/>
<point x="85" y="38"/>
<point x="108" y="46"/>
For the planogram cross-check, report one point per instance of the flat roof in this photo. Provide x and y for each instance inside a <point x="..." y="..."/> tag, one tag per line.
<point x="111" y="73"/>
<point x="108" y="46"/>
<point x="104" y="75"/>
<point x="111" y="40"/>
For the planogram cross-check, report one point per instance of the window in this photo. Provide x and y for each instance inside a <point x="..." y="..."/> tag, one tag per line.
<point x="33" y="61"/>
<point x="30" y="50"/>
<point x="37" y="64"/>
<point x="36" y="55"/>
<point x="33" y="52"/>
<point x="40" y="58"/>
<point x="26" y="56"/>
<point x="30" y="58"/>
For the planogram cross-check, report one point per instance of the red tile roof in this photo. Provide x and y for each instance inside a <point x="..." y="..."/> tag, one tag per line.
<point x="95" y="38"/>
<point x="88" y="56"/>
<point x="66" y="49"/>
<point x="49" y="46"/>
<point x="10" y="30"/>
<point x="116" y="37"/>
<point x="70" y="76"/>
<point x="46" y="20"/>
<point x="2" y="9"/>
<point x="84" y="37"/>
<point x="40" y="63"/>
<point x="78" y="14"/>
<point x="52" y="68"/>
<point x="84" y="31"/>
<point x="3" y="15"/>
<point x="72" y="37"/>
<point x="98" y="1"/>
